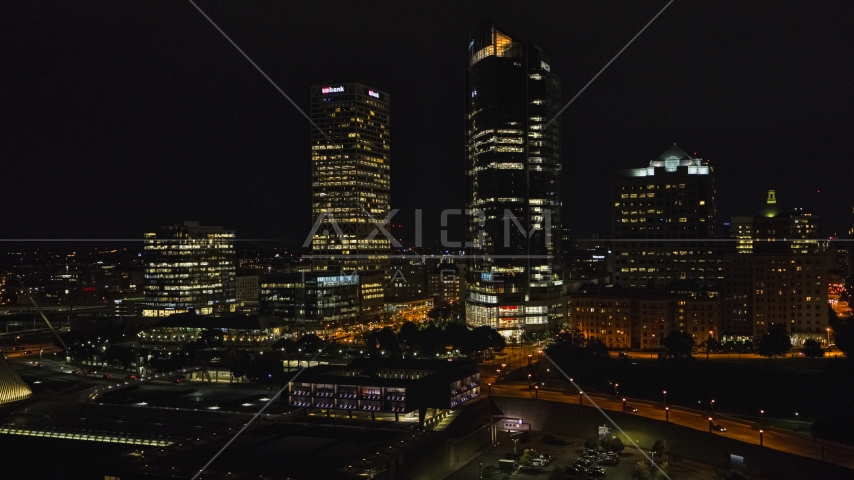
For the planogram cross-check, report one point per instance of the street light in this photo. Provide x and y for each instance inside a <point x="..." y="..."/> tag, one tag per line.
<point x="616" y="389"/>
<point x="665" y="397"/>
<point x="536" y="392"/>
<point x="529" y="381"/>
<point x="666" y="414"/>
<point x="624" y="404"/>
<point x="489" y="389"/>
<point x="710" y="424"/>
<point x="797" y="424"/>
<point x="760" y="438"/>
<point x="761" y="419"/>
<point x="713" y="405"/>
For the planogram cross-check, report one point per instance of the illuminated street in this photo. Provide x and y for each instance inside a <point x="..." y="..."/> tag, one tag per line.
<point x="798" y="444"/>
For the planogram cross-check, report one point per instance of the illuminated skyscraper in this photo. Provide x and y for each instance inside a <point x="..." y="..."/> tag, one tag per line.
<point x="188" y="266"/>
<point x="350" y="161"/>
<point x="513" y="172"/>
<point x="664" y="223"/>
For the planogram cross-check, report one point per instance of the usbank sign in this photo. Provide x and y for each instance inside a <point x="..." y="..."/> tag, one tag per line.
<point x="325" y="90"/>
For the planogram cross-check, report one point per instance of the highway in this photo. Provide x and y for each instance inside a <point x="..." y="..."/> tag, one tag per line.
<point x="800" y="444"/>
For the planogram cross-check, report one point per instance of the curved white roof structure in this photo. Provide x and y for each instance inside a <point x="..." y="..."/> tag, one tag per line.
<point x="12" y="387"/>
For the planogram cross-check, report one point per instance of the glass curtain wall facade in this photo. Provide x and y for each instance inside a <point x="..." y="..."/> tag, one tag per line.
<point x="350" y="187"/>
<point x="188" y="267"/>
<point x="513" y="175"/>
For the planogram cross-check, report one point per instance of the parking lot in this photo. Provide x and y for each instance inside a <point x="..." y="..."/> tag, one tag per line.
<point x="561" y="456"/>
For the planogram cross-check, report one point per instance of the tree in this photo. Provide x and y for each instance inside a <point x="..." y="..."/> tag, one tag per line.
<point x="775" y="343"/>
<point x="570" y="339"/>
<point x="640" y="471"/>
<point x="592" y="442"/>
<point x="658" y="448"/>
<point x="526" y="458"/>
<point x="431" y="340"/>
<point x="813" y="349"/>
<point x="613" y="444"/>
<point x="455" y="334"/>
<point x="844" y="337"/>
<point x="710" y="345"/>
<point x="482" y="338"/>
<point x="597" y="348"/>
<point x="408" y="335"/>
<point x="646" y="471"/>
<point x="660" y="473"/>
<point x="678" y="344"/>
<point x="382" y="340"/>
<point x="241" y="366"/>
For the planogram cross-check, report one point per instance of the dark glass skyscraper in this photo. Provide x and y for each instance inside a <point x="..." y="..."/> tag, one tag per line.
<point x="513" y="171"/>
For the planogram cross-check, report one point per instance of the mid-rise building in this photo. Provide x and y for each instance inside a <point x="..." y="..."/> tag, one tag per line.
<point x="312" y="300"/>
<point x="791" y="289"/>
<point x="408" y="278"/>
<point x="188" y="267"/>
<point x="641" y="318"/>
<point x="350" y="158"/>
<point x="446" y="283"/>
<point x="513" y="171"/>
<point x="777" y="273"/>
<point x="664" y="223"/>
<point x="586" y="258"/>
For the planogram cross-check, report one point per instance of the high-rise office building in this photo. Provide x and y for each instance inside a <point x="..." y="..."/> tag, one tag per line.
<point x="513" y="172"/>
<point x="188" y="267"/>
<point x="350" y="159"/>
<point x="664" y="223"/>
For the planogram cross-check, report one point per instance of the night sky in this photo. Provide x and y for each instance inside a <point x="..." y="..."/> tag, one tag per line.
<point x="119" y="115"/>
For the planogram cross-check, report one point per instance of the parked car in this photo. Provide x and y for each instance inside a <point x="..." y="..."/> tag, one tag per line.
<point x="108" y="375"/>
<point x="630" y="409"/>
<point x="718" y="428"/>
<point x="506" y="465"/>
<point x="574" y="470"/>
<point x="595" y="472"/>
<point x="131" y="377"/>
